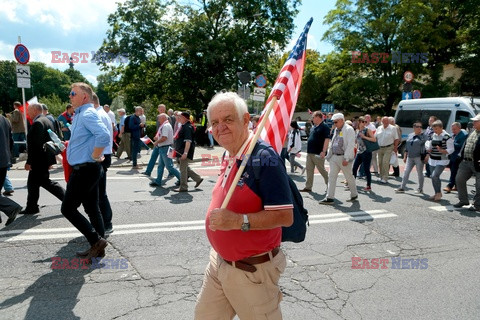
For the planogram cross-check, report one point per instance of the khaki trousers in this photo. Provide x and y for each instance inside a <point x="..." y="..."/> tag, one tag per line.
<point x="312" y="162"/>
<point x="335" y="167"/>
<point x="384" y="155"/>
<point x="186" y="172"/>
<point x="228" y="291"/>
<point x="125" y="145"/>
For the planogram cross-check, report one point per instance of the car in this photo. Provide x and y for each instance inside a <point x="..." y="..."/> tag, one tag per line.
<point x="303" y="130"/>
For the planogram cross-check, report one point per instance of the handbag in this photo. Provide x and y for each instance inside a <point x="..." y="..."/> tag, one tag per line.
<point x="371" y="146"/>
<point x="394" y="159"/>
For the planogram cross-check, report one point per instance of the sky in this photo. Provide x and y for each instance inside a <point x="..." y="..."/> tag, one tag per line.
<point x="52" y="25"/>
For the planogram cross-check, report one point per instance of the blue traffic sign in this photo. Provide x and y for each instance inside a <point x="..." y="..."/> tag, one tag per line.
<point x="21" y="54"/>
<point x="407" y="95"/>
<point x="261" y="81"/>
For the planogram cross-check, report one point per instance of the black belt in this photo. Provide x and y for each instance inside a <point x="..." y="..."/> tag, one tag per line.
<point x="338" y="154"/>
<point x="86" y="164"/>
<point x="386" y="146"/>
<point x="165" y="146"/>
<point x="248" y="264"/>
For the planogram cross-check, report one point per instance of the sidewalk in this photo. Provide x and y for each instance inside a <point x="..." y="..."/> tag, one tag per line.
<point x="201" y="153"/>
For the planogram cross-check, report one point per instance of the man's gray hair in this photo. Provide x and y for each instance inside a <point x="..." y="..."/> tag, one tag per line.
<point x="36" y="106"/>
<point x="138" y="108"/>
<point x="457" y="124"/>
<point x="231" y="97"/>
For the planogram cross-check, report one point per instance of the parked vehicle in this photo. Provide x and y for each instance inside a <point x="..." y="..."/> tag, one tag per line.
<point x="448" y="110"/>
<point x="303" y="130"/>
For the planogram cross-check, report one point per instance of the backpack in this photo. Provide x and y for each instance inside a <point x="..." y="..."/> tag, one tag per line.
<point x="126" y="124"/>
<point x="297" y="231"/>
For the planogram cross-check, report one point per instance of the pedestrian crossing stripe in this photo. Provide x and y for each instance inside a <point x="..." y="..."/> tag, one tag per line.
<point x="37" y="233"/>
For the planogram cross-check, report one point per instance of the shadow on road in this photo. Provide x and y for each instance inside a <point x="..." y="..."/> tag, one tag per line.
<point x="55" y="294"/>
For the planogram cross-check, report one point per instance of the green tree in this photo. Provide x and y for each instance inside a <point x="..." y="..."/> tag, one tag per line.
<point x="407" y="26"/>
<point x="182" y="55"/>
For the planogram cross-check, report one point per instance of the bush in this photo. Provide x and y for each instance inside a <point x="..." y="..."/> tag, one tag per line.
<point x="55" y="105"/>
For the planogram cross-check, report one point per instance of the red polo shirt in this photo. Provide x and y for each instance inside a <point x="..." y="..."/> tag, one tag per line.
<point x="270" y="192"/>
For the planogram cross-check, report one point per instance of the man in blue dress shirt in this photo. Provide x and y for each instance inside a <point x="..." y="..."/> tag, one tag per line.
<point x="89" y="137"/>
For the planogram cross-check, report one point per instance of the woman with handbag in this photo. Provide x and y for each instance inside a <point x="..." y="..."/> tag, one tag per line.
<point x="366" y="144"/>
<point x="414" y="157"/>
<point x="294" y="146"/>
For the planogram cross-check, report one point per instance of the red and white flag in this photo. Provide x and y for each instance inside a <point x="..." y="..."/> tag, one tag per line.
<point x="286" y="89"/>
<point x="28" y="103"/>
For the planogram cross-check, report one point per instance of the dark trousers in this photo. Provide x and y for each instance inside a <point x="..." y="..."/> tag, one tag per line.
<point x="40" y="177"/>
<point x="103" y="202"/>
<point x="453" y="173"/>
<point x="135" y="150"/>
<point x="7" y="205"/>
<point x="364" y="159"/>
<point x="82" y="189"/>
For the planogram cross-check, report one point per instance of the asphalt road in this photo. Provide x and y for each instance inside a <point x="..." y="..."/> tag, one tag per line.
<point x="426" y="256"/>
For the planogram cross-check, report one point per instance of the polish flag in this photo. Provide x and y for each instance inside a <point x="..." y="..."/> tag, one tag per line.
<point x="29" y="102"/>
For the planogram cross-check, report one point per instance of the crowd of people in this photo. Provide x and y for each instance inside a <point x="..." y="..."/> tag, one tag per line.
<point x="245" y="235"/>
<point x="355" y="146"/>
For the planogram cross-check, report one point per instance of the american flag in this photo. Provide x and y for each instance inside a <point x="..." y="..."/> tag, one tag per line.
<point x="286" y="89"/>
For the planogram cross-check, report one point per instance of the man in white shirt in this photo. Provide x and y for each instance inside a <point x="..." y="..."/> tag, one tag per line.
<point x="387" y="138"/>
<point x="162" y="143"/>
<point x="340" y="155"/>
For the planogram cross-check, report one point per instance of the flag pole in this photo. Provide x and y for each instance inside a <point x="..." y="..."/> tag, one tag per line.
<point x="248" y="153"/>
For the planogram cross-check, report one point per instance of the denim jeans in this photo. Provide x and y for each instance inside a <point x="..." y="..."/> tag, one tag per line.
<point x="135" y="150"/>
<point x="364" y="159"/>
<point x="7" y="185"/>
<point x="165" y="162"/>
<point x="153" y="159"/>
<point x="436" y="173"/>
<point x="210" y="138"/>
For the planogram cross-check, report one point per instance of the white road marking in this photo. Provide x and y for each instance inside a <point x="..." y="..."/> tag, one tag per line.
<point x="38" y="233"/>
<point x="447" y="208"/>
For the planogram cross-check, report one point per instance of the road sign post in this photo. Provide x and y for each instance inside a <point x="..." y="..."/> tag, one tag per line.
<point x="22" y="55"/>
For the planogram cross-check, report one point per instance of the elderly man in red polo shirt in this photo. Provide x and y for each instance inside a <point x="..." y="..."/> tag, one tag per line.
<point x="245" y="260"/>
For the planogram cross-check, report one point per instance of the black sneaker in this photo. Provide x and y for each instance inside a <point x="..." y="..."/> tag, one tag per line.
<point x="154" y="184"/>
<point x="461" y="204"/>
<point x="30" y="211"/>
<point x="326" y="201"/>
<point x="12" y="217"/>
<point x="352" y="199"/>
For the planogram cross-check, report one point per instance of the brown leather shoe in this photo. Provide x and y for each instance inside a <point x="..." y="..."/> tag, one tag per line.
<point x="198" y="183"/>
<point x="179" y="190"/>
<point x="305" y="190"/>
<point x="454" y="189"/>
<point x="8" y="193"/>
<point x="97" y="249"/>
<point x="447" y="189"/>
<point x="83" y="254"/>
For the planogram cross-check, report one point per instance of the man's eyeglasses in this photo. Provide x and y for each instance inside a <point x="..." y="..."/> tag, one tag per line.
<point x="73" y="93"/>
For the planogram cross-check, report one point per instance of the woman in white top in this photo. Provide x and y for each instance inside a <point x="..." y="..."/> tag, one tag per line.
<point x="438" y="150"/>
<point x="294" y="146"/>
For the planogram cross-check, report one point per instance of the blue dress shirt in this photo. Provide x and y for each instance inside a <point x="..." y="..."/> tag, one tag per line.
<point x="87" y="132"/>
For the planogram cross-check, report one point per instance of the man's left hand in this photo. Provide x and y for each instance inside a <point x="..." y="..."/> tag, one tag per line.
<point x="224" y="219"/>
<point x="184" y="156"/>
<point x="344" y="163"/>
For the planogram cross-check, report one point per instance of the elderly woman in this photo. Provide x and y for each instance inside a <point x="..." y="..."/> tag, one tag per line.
<point x="439" y="148"/>
<point x="414" y="149"/>
<point x="364" y="156"/>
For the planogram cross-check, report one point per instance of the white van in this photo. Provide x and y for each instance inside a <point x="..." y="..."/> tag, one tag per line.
<point x="448" y="110"/>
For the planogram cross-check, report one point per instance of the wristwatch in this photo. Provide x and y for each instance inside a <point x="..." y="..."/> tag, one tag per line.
<point x="245" y="225"/>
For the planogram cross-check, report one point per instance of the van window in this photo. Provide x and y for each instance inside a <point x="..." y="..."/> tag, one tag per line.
<point x="406" y="118"/>
<point x="463" y="117"/>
